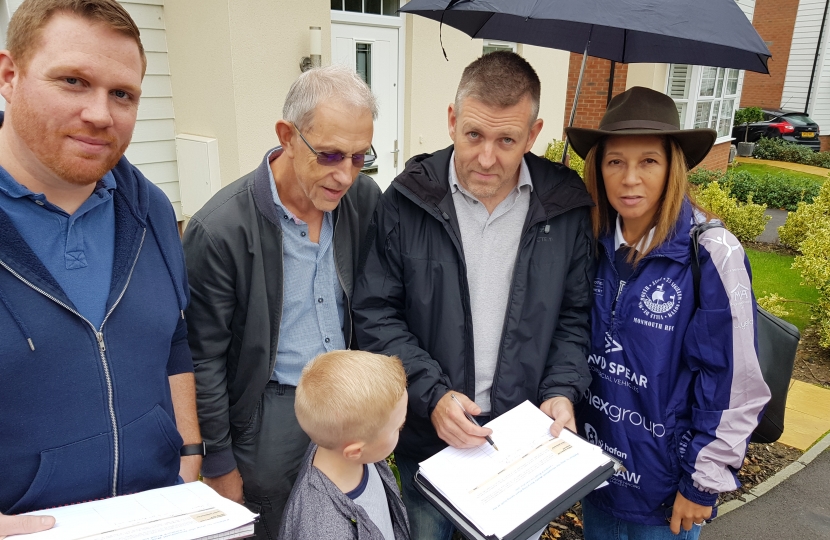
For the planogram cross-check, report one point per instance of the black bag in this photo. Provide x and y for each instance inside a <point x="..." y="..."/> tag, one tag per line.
<point x="777" y="343"/>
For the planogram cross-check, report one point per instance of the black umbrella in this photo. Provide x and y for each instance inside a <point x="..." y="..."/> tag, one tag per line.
<point x="702" y="32"/>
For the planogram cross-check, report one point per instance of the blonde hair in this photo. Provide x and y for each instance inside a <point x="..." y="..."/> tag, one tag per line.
<point x="676" y="189"/>
<point x="27" y="23"/>
<point x="347" y="396"/>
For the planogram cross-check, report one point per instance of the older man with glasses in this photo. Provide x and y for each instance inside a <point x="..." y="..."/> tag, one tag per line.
<point x="272" y="260"/>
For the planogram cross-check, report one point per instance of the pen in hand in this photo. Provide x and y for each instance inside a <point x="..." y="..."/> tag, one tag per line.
<point x="473" y="420"/>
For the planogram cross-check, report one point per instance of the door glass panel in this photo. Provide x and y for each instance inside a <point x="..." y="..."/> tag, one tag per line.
<point x="354" y="5"/>
<point x="363" y="66"/>
<point x="390" y="7"/>
<point x="371" y="6"/>
<point x="704" y="108"/>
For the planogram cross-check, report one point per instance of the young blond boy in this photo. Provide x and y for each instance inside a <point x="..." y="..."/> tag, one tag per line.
<point x="352" y="405"/>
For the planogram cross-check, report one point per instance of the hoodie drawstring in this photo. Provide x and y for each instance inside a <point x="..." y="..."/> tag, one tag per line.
<point x="18" y="320"/>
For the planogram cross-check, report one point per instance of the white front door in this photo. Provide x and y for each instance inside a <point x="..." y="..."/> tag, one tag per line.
<point x="373" y="52"/>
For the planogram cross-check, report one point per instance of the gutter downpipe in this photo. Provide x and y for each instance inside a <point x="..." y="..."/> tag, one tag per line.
<point x="815" y="59"/>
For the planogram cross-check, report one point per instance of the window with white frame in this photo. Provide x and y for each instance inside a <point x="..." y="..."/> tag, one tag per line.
<point x="493" y="46"/>
<point x="705" y="96"/>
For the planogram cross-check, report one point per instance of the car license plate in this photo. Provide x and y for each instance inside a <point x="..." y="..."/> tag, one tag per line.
<point x="808" y="135"/>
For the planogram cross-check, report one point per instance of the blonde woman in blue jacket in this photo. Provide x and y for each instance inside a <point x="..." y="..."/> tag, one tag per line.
<point x="677" y="389"/>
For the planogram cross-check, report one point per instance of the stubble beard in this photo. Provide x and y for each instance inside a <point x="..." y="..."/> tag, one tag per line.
<point x="80" y="169"/>
<point x="481" y="191"/>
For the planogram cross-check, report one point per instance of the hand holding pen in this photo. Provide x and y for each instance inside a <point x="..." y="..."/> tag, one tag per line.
<point x="473" y="420"/>
<point x="452" y="425"/>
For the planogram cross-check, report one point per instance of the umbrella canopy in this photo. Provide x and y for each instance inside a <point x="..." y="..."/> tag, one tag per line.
<point x="701" y="32"/>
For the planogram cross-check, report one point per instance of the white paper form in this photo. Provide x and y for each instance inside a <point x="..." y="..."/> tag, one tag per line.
<point x="499" y="490"/>
<point x="183" y="512"/>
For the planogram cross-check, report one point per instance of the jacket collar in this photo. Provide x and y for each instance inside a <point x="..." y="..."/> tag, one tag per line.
<point x="676" y="246"/>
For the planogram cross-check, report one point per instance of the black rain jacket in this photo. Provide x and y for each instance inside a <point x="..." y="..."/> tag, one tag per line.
<point x="233" y="248"/>
<point x="412" y="300"/>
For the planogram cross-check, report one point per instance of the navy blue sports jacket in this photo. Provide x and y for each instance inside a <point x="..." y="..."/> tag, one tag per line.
<point x="676" y="389"/>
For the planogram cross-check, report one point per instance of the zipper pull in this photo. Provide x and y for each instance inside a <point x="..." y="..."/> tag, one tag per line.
<point x="100" y="337"/>
<point x="182" y="312"/>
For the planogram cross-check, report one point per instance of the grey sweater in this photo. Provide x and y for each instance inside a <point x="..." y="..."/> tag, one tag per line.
<point x="317" y="509"/>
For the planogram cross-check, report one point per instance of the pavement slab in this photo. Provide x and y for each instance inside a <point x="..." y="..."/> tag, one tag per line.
<point x="807" y="417"/>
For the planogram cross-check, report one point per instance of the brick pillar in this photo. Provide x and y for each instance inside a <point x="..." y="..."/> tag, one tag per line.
<point x="594" y="94"/>
<point x="775" y="21"/>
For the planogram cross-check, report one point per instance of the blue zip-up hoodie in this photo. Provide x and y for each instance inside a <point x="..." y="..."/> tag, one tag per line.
<point x="677" y="389"/>
<point x="85" y="412"/>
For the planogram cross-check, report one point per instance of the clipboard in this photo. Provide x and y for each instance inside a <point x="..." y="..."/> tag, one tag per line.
<point x="551" y="511"/>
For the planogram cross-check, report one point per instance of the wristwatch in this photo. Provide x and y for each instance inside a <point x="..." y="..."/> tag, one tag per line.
<point x="198" y="449"/>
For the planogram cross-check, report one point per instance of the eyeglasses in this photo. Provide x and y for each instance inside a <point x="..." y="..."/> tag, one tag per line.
<point x="330" y="160"/>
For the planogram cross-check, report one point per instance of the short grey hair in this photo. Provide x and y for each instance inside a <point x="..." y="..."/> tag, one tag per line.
<point x="500" y="79"/>
<point x="336" y="82"/>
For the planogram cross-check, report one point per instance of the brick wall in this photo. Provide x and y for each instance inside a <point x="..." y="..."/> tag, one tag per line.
<point x="774" y="20"/>
<point x="718" y="157"/>
<point x="825" y="142"/>
<point x="594" y="93"/>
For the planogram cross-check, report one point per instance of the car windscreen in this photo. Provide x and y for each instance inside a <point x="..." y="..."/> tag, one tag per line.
<point x="797" y="119"/>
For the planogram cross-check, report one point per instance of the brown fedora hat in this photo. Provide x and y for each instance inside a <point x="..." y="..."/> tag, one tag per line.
<point x="643" y="111"/>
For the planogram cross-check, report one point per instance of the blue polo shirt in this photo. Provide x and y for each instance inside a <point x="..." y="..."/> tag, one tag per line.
<point x="77" y="249"/>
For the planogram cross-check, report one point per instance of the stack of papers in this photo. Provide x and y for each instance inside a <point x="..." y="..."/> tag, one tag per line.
<point x="498" y="491"/>
<point x="184" y="512"/>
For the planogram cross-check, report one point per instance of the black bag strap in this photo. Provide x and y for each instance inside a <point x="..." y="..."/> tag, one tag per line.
<point x="696" y="232"/>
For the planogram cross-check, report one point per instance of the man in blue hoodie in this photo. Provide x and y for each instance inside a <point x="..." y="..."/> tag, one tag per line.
<point x="98" y="395"/>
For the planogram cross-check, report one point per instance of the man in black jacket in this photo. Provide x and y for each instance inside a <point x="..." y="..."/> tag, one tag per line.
<point x="479" y="277"/>
<point x="271" y="263"/>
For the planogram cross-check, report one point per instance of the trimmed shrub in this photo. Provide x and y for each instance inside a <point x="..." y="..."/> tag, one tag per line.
<point x="799" y="224"/>
<point x="780" y="150"/>
<point x="775" y="304"/>
<point x="771" y="190"/>
<point x="746" y="221"/>
<point x="554" y="153"/>
<point x="703" y="176"/>
<point x="814" y="265"/>
<point x="808" y="230"/>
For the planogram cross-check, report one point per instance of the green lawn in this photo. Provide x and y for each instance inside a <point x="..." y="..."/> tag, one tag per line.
<point x="772" y="273"/>
<point x="760" y="169"/>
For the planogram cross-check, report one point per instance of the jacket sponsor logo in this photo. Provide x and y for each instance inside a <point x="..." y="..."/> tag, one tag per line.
<point x="722" y="240"/>
<point x="593" y="438"/>
<point x="616" y="373"/>
<point x="619" y="414"/>
<point x="739" y="294"/>
<point x="660" y="299"/>
<point x="626" y="478"/>
<point x="611" y="345"/>
<point x="598" y="287"/>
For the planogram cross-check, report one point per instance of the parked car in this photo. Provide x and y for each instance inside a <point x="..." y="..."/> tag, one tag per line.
<point x="791" y="126"/>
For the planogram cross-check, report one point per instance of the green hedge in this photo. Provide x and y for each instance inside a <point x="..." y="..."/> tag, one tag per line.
<point x="781" y="150"/>
<point x="771" y="190"/>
